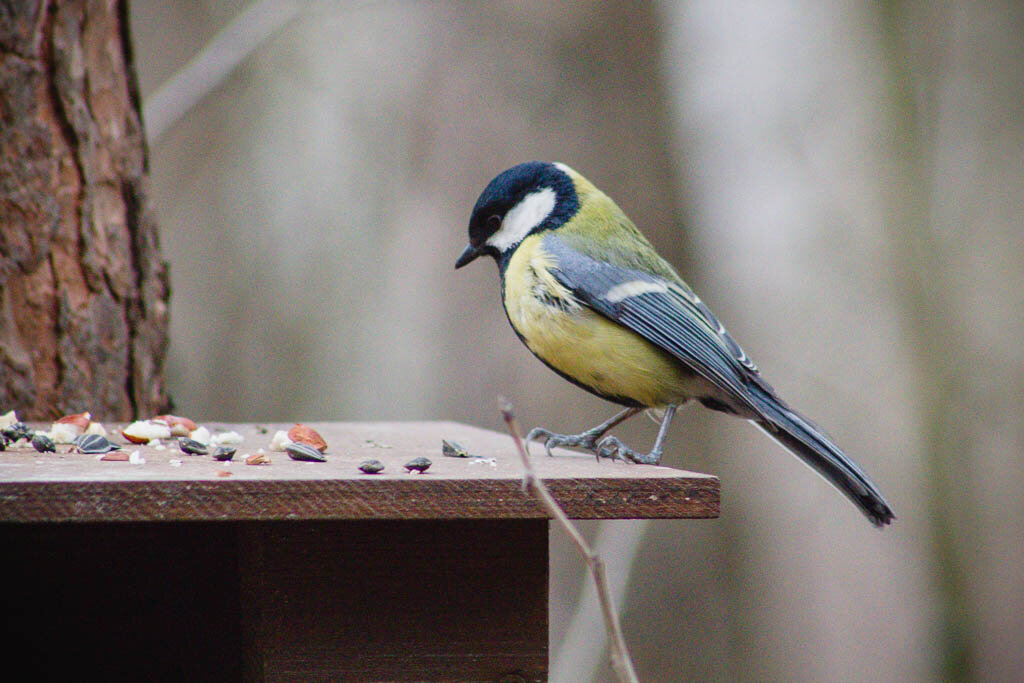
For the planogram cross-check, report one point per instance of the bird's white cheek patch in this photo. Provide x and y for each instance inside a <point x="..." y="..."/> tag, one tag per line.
<point x="530" y="212"/>
<point x="634" y="288"/>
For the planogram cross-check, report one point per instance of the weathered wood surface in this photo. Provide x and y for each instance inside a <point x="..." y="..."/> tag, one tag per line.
<point x="83" y="289"/>
<point x="36" y="487"/>
<point x="438" y="600"/>
<point x="461" y="600"/>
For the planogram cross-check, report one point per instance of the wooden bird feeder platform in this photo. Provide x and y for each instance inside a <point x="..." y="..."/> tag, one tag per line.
<point x="296" y="571"/>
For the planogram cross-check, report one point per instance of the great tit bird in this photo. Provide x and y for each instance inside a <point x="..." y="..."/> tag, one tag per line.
<point x="589" y="296"/>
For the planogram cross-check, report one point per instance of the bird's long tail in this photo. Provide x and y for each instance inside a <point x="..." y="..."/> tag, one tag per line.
<point x="801" y="437"/>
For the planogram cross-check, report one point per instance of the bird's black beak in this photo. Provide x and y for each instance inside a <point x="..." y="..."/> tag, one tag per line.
<point x="470" y="253"/>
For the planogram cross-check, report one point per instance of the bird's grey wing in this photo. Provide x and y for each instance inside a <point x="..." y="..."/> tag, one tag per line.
<point x="666" y="313"/>
<point x="663" y="312"/>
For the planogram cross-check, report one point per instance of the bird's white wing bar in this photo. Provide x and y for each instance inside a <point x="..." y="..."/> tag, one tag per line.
<point x="659" y="312"/>
<point x="624" y="290"/>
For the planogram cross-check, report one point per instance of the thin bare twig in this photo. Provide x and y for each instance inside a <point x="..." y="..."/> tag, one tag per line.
<point x="213" y="63"/>
<point x="617" y="651"/>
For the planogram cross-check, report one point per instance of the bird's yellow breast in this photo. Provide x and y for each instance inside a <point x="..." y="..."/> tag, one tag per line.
<point x="582" y="344"/>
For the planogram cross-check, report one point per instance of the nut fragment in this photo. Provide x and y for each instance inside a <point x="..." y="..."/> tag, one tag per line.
<point x="279" y="441"/>
<point x="64" y="433"/>
<point x="303" y="451"/>
<point x="257" y="458"/>
<point x="420" y="465"/>
<point x="226" y="439"/>
<point x="96" y="428"/>
<point x="202" y="435"/>
<point x="144" y="431"/>
<point x="371" y="466"/>
<point x="301" y="433"/>
<point x="116" y="456"/>
<point x="68" y="428"/>
<point x="79" y="420"/>
<point x="180" y="426"/>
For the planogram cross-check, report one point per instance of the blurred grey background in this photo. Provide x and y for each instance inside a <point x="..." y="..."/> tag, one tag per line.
<point x="842" y="182"/>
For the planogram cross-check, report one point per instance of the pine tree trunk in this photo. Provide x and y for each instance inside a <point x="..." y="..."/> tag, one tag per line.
<point x="83" y="289"/>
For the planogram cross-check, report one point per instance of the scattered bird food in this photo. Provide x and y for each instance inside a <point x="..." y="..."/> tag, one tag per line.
<point x="80" y="420"/>
<point x="453" y="449"/>
<point x="303" y="451"/>
<point x="70" y="427"/>
<point x="118" y="456"/>
<point x="301" y="433"/>
<point x="202" y="435"/>
<point x="190" y="447"/>
<point x="371" y="466"/>
<point x="257" y="458"/>
<point x="92" y="444"/>
<point x="179" y="426"/>
<point x="96" y="428"/>
<point x="226" y="439"/>
<point x="224" y="453"/>
<point x="145" y="431"/>
<point x="43" y="444"/>
<point x="15" y="431"/>
<point x="420" y="465"/>
<point x="279" y="441"/>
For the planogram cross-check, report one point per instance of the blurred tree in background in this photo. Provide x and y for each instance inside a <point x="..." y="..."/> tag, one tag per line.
<point x="841" y="182"/>
<point x="83" y="288"/>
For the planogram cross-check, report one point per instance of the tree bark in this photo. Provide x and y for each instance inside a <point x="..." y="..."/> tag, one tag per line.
<point x="83" y="289"/>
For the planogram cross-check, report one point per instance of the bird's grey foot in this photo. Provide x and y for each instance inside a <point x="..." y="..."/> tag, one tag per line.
<point x="586" y="440"/>
<point x="611" y="447"/>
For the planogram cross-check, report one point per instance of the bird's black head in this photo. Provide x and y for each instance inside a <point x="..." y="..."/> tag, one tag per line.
<point x="523" y="200"/>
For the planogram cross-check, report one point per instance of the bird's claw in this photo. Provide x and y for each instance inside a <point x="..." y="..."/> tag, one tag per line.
<point x="612" y="447"/>
<point x="608" y="447"/>
<point x="535" y="434"/>
<point x="585" y="440"/>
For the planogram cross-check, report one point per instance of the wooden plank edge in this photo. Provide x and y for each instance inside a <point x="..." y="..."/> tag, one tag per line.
<point x="420" y="498"/>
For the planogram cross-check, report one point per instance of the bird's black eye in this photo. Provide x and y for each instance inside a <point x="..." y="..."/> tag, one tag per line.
<point x="480" y="231"/>
<point x="493" y="224"/>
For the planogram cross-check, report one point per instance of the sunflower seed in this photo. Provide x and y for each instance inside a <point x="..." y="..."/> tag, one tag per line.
<point x="190" y="447"/>
<point x="43" y="444"/>
<point x="371" y="466"/>
<point x="224" y="453"/>
<point x="420" y="465"/>
<point x="18" y="430"/>
<point x="453" y="449"/>
<point x="302" y="451"/>
<point x="94" y="443"/>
